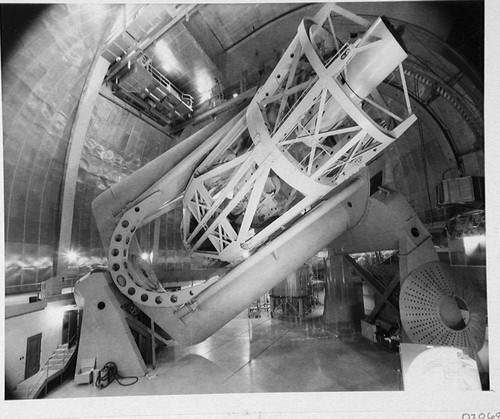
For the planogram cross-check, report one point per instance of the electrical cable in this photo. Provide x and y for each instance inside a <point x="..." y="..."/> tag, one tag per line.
<point x="109" y="373"/>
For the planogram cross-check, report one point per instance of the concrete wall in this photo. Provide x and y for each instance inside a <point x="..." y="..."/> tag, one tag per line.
<point x="18" y="329"/>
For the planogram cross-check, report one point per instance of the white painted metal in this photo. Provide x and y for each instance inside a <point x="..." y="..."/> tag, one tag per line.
<point x="278" y="175"/>
<point x="312" y="126"/>
<point x="424" y="298"/>
<point x="172" y="172"/>
<point x="229" y="295"/>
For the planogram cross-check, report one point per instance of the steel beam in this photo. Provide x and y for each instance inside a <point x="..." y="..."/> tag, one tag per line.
<point x="74" y="154"/>
<point x="385" y="299"/>
<point x="376" y="283"/>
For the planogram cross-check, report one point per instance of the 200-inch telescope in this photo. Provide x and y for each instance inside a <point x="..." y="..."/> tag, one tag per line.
<point x="268" y="189"/>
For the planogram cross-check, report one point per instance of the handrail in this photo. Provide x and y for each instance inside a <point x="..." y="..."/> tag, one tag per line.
<point x="187" y="99"/>
<point x="70" y="280"/>
<point x="67" y="350"/>
<point x="184" y="97"/>
<point x="36" y="385"/>
<point x="33" y="388"/>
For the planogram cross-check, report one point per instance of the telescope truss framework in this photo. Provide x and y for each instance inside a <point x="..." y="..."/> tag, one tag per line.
<point x="313" y="125"/>
<point x="316" y="121"/>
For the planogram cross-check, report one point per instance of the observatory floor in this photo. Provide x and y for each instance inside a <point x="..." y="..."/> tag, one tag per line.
<point x="261" y="355"/>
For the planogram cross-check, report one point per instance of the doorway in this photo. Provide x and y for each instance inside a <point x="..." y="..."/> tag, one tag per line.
<point x="33" y="350"/>
<point x="70" y="327"/>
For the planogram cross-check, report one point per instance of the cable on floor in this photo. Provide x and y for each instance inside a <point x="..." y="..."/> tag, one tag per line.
<point x="109" y="373"/>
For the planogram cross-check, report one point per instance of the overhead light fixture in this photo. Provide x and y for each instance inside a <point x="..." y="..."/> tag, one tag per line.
<point x="147" y="257"/>
<point x="72" y="256"/>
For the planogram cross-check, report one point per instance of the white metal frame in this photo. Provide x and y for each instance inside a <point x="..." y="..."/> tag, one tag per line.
<point x="311" y="113"/>
<point x="312" y="108"/>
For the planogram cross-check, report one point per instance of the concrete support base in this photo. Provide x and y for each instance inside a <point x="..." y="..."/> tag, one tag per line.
<point x="105" y="334"/>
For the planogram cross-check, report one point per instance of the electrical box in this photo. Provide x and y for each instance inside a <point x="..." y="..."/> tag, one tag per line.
<point x="460" y="190"/>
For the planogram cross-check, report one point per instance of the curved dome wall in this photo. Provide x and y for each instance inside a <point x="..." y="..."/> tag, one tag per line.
<point x="42" y="80"/>
<point x="117" y="143"/>
<point x="44" y="73"/>
<point x="448" y="139"/>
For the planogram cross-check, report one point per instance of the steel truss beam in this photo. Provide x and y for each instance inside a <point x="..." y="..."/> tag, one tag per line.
<point x="288" y="173"/>
<point x="313" y="125"/>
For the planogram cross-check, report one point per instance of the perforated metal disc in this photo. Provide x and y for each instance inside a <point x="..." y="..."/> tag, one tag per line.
<point x="425" y="299"/>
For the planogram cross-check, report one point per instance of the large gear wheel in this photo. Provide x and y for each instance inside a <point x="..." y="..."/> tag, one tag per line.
<point x="439" y="307"/>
